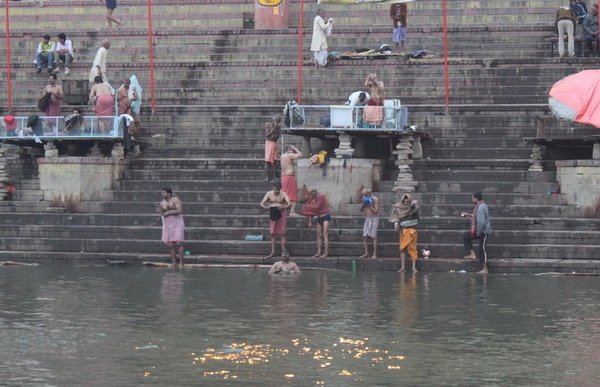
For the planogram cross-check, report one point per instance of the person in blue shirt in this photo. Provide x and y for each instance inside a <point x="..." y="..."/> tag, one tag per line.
<point x="590" y="30"/>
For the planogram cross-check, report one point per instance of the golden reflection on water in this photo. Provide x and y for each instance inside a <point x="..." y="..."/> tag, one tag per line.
<point x="228" y="362"/>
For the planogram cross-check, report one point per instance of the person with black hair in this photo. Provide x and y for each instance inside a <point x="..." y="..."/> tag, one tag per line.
<point x="45" y="54"/>
<point x="276" y="201"/>
<point x="56" y="96"/>
<point x="173" y="225"/>
<point x="64" y="50"/>
<point x="480" y="229"/>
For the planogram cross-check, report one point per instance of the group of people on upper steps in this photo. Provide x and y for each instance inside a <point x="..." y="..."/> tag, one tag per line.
<point x="323" y="29"/>
<point x="575" y="22"/>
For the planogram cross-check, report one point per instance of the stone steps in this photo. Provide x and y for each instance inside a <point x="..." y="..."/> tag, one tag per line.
<point x="296" y="232"/>
<point x="476" y="153"/>
<point x="229" y="15"/>
<point x="151" y="219"/>
<point x="296" y="248"/>
<point x="474" y="164"/>
<point x="484" y="176"/>
<point x="491" y="188"/>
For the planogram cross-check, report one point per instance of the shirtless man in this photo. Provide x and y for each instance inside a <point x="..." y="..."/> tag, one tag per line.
<point x="285" y="266"/>
<point x="276" y="201"/>
<point x="56" y="95"/>
<point x="318" y="205"/>
<point x="370" y="207"/>
<point x="288" y="175"/>
<point x="376" y="88"/>
<point x="272" y="130"/>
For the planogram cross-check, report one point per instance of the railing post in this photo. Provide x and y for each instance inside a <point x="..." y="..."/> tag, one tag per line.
<point x="151" y="57"/>
<point x="445" y="30"/>
<point x="300" y="48"/>
<point x="8" y="55"/>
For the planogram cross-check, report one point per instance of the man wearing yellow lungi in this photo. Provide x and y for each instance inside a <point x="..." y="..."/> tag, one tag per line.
<point x="405" y="217"/>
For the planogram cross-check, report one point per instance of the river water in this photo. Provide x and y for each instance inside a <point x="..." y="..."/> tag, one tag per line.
<point x="68" y="325"/>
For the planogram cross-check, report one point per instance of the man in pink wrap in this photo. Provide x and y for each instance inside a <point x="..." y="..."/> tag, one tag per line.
<point x="102" y="96"/>
<point x="173" y="226"/>
<point x="288" y="175"/>
<point x="56" y="95"/>
<point x="318" y="205"/>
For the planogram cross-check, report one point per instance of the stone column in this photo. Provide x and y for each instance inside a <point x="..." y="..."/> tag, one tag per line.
<point x="404" y="152"/>
<point x="118" y="150"/>
<point x="536" y="158"/>
<point x="596" y="151"/>
<point x="306" y="146"/>
<point x="344" y="150"/>
<point x="50" y="150"/>
<point x="3" y="175"/>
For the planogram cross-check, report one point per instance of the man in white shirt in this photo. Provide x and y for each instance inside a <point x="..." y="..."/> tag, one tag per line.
<point x="318" y="44"/>
<point x="99" y="65"/>
<point x="358" y="98"/>
<point x="64" y="50"/>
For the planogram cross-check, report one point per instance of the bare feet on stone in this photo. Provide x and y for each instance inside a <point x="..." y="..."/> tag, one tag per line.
<point x="323" y="256"/>
<point x="402" y="270"/>
<point x="317" y="255"/>
<point x="470" y="256"/>
<point x="364" y="256"/>
<point x="374" y="256"/>
<point x="270" y="256"/>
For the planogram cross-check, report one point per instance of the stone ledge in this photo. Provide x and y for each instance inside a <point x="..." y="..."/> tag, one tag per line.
<point x="81" y="160"/>
<point x="577" y="163"/>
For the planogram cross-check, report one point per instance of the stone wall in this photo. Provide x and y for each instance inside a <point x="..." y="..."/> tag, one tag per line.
<point x="85" y="178"/>
<point x="341" y="179"/>
<point x="580" y="183"/>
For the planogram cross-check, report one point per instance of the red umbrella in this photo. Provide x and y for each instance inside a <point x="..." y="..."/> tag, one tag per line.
<point x="577" y="97"/>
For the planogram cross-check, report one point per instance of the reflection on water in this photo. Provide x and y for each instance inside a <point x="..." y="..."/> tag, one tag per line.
<point x="67" y="325"/>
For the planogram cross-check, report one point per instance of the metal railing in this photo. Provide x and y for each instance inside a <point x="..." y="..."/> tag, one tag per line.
<point x="48" y="128"/>
<point x="348" y="118"/>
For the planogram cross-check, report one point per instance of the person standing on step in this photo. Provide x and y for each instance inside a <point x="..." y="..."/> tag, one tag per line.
<point x="272" y="132"/>
<point x="288" y="175"/>
<point x="480" y="229"/>
<point x="405" y="217"/>
<point x="64" y="51"/>
<point x="398" y="13"/>
<point x="276" y="201"/>
<point x="103" y="100"/>
<point x="565" y="24"/>
<point x="111" y="5"/>
<point x="370" y="207"/>
<point x="45" y="54"/>
<point x="56" y="96"/>
<point x="318" y="205"/>
<point x="318" y="44"/>
<point x="173" y="226"/>
<point x="99" y="65"/>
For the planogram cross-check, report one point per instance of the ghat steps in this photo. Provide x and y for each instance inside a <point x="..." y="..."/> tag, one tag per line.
<point x="213" y="102"/>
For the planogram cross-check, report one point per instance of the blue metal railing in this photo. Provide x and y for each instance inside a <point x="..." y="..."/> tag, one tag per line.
<point x="344" y="117"/>
<point x="49" y="128"/>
